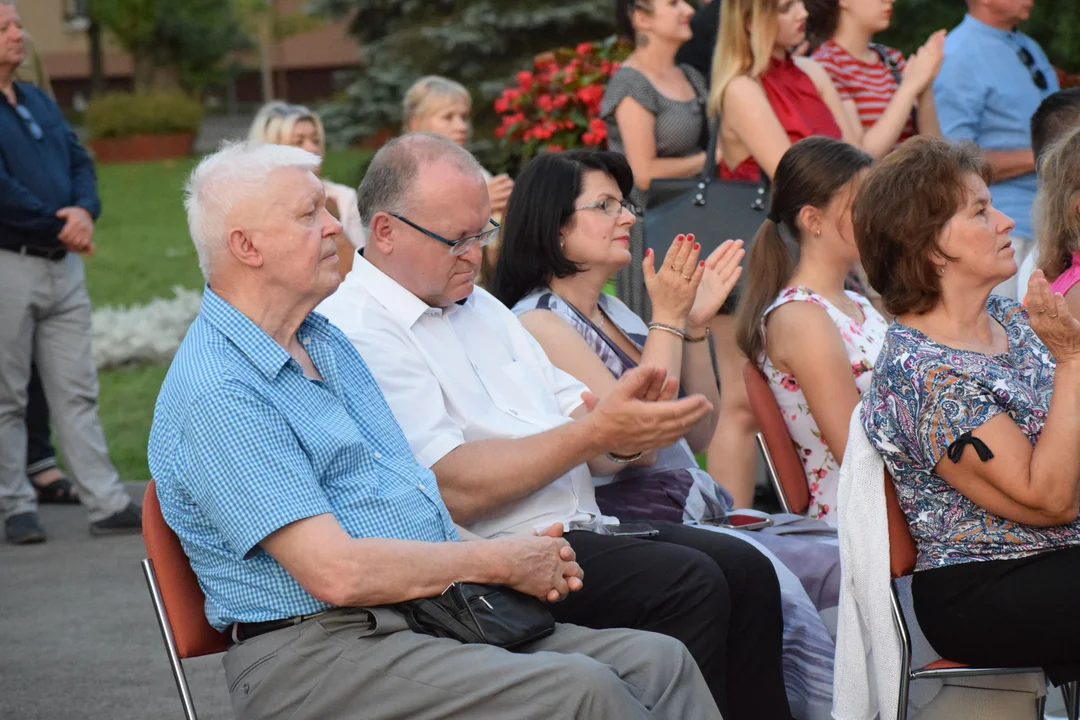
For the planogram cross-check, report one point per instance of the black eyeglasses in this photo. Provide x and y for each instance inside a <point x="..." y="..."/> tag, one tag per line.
<point x="612" y="207"/>
<point x="457" y="247"/>
<point x="1036" y="74"/>
<point x="30" y="122"/>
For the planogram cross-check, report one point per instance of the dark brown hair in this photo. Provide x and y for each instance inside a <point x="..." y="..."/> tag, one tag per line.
<point x="900" y="212"/>
<point x="822" y="20"/>
<point x="810" y="173"/>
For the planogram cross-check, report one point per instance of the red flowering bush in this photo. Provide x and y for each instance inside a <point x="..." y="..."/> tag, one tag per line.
<point x="556" y="105"/>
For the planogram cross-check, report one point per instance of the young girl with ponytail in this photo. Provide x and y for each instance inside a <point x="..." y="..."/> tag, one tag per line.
<point x="815" y="342"/>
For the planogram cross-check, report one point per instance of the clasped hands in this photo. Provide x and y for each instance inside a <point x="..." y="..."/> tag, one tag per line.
<point x="77" y="235"/>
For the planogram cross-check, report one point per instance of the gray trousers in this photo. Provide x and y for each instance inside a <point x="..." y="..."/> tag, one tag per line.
<point x="344" y="665"/>
<point x="45" y="316"/>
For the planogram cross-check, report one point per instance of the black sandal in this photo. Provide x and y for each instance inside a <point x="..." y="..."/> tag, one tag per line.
<point x="60" y="491"/>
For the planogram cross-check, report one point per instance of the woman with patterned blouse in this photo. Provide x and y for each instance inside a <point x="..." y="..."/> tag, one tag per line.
<point x="815" y="342"/>
<point x="975" y="408"/>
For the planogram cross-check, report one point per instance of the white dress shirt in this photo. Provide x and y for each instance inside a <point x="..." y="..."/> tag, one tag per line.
<point x="460" y="374"/>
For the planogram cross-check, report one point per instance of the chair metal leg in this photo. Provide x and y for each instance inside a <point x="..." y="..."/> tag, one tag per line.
<point x="774" y="475"/>
<point x="170" y="642"/>
<point x="905" y="653"/>
<point x="1071" y="693"/>
<point x="1040" y="708"/>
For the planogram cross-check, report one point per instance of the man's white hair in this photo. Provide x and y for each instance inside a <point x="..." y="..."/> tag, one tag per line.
<point x="234" y="173"/>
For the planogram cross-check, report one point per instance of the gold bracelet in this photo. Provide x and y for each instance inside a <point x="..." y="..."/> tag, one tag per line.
<point x="667" y="328"/>
<point x="703" y="338"/>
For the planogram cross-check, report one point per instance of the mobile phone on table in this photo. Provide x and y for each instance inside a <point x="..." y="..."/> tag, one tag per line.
<point x="638" y="530"/>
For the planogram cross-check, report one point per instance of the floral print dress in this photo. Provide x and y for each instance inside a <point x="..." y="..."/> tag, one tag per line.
<point x="863" y="341"/>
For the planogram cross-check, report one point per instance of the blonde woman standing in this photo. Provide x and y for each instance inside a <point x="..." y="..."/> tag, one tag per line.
<point x="279" y="123"/>
<point x="439" y="105"/>
<point x="767" y="100"/>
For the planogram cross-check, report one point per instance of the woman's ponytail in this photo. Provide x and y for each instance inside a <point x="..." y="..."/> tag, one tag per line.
<point x="769" y="270"/>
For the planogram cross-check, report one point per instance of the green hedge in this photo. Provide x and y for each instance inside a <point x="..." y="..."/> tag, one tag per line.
<point x="120" y="115"/>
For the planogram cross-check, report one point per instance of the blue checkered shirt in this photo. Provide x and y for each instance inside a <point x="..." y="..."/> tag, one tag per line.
<point x="244" y="444"/>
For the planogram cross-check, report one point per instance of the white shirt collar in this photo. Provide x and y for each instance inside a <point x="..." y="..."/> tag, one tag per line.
<point x="398" y="301"/>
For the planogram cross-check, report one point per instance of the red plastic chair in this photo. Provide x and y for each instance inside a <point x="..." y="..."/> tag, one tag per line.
<point x="786" y="472"/>
<point x="902" y="556"/>
<point x="178" y="599"/>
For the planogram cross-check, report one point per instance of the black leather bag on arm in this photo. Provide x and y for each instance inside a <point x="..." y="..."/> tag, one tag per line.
<point x="714" y="210"/>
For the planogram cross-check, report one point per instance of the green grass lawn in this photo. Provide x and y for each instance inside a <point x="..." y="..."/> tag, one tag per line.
<point x="143" y="251"/>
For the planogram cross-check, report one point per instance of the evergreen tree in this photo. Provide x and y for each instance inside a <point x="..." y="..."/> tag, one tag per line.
<point x="479" y="43"/>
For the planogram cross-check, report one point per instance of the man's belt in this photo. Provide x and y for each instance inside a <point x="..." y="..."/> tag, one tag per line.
<point x="56" y="253"/>
<point x="246" y="631"/>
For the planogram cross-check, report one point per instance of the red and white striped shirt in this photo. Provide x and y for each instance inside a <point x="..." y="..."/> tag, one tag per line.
<point x="870" y="85"/>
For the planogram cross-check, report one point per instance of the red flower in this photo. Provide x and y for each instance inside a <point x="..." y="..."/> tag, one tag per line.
<point x="561" y="99"/>
<point x="500" y="132"/>
<point x="590" y="94"/>
<point x="502" y="105"/>
<point x="596" y="134"/>
<point x="584" y="48"/>
<point x="525" y="80"/>
<point x="544" y="102"/>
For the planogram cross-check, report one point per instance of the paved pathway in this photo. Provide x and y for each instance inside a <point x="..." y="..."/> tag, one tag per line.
<point x="78" y="638"/>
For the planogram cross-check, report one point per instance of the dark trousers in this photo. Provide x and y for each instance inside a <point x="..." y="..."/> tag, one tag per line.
<point x="1005" y="613"/>
<point x="715" y="593"/>
<point x="40" y="454"/>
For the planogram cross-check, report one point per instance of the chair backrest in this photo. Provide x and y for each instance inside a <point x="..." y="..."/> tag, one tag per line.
<point x="902" y="548"/>
<point x="180" y="591"/>
<point x="785" y="457"/>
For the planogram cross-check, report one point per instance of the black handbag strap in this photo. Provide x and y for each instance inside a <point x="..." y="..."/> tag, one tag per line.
<point x="894" y="70"/>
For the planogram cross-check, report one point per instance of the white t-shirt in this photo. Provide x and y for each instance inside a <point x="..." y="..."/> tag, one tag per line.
<point x="460" y="374"/>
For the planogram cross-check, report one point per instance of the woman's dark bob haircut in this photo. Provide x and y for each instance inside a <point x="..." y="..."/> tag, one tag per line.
<point x="901" y="211"/>
<point x="542" y="203"/>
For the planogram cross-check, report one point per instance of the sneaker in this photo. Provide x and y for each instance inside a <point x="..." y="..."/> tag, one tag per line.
<point x="127" y="521"/>
<point x="24" y="529"/>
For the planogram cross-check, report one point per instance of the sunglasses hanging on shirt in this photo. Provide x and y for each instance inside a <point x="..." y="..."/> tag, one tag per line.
<point x="1037" y="75"/>
<point x="31" y="124"/>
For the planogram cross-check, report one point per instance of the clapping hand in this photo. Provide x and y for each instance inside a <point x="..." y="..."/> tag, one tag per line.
<point x="922" y="67"/>
<point x="1049" y="317"/>
<point x="722" y="270"/>
<point x="641" y="414"/>
<point x="673" y="287"/>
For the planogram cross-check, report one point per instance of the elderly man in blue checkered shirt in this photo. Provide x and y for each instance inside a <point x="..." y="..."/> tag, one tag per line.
<point x="305" y="516"/>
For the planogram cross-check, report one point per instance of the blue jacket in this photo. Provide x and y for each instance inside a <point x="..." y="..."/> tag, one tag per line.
<point x="38" y="177"/>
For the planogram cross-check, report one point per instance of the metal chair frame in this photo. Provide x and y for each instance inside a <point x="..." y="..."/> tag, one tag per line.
<point x="175" y="662"/>
<point x="773" y="473"/>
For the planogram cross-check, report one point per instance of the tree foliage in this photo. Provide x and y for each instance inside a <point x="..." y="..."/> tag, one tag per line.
<point x="173" y="43"/>
<point x="477" y="42"/>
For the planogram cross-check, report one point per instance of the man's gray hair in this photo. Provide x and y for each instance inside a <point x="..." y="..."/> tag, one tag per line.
<point x="392" y="174"/>
<point x="236" y="172"/>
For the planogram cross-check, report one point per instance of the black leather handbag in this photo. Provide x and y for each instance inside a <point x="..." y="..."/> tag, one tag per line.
<point x="714" y="210"/>
<point x="477" y="613"/>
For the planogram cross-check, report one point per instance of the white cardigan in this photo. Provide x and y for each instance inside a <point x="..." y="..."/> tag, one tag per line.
<point x="866" y="676"/>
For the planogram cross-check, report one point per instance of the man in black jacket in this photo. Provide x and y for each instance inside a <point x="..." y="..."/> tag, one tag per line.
<point x="48" y="203"/>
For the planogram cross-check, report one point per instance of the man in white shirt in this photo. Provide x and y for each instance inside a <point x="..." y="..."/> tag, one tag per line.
<point x="513" y="441"/>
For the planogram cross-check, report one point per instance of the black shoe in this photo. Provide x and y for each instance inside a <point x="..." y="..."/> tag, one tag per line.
<point x="127" y="521"/>
<point x="24" y="529"/>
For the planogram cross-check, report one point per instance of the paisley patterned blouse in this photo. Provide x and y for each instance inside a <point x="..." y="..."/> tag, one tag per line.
<point x="863" y="342"/>
<point x="923" y="397"/>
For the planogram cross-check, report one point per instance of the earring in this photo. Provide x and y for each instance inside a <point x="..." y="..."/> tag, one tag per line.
<point x="817" y="233"/>
<point x="941" y="270"/>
